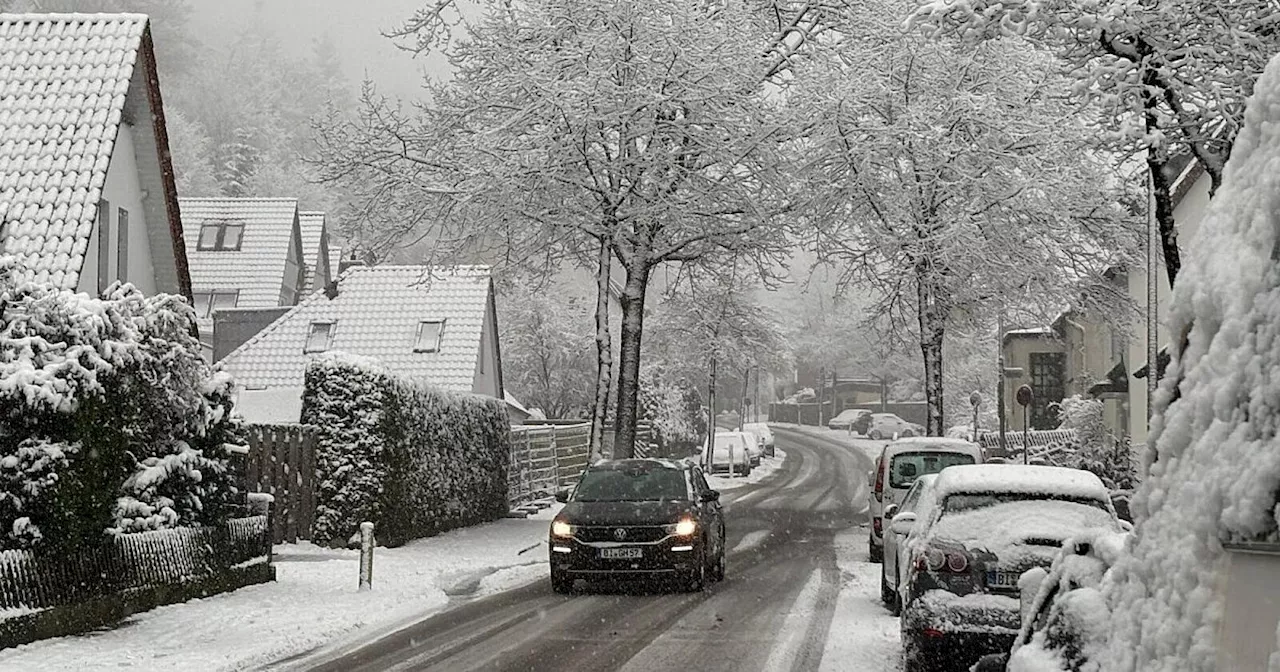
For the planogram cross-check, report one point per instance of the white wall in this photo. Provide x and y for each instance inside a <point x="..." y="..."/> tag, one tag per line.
<point x="122" y="190"/>
<point x="270" y="405"/>
<point x="1187" y="216"/>
<point x="486" y="377"/>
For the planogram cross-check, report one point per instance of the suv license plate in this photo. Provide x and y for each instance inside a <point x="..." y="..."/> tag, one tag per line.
<point x="619" y="553"/>
<point x="1002" y="579"/>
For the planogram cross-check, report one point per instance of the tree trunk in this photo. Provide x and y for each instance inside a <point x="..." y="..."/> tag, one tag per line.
<point x="633" y="293"/>
<point x="604" y="354"/>
<point x="1164" y="217"/>
<point x="711" y="417"/>
<point x="932" y="318"/>
<point x="742" y="405"/>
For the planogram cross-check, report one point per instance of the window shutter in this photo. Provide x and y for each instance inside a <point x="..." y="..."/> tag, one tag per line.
<point x="104" y="244"/>
<point x="122" y="253"/>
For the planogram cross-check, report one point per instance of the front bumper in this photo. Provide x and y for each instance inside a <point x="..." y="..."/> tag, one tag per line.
<point x="672" y="557"/>
<point x="941" y="626"/>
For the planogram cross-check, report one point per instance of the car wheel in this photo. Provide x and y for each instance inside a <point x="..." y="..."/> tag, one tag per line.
<point x="874" y="553"/>
<point x="907" y="433"/>
<point x="888" y="596"/>
<point x="874" y="435"/>
<point x="716" y="571"/>
<point x="561" y="584"/>
<point x="699" y="574"/>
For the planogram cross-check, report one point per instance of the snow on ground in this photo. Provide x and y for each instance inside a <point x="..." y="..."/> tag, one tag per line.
<point x="313" y="603"/>
<point x="870" y="447"/>
<point x="864" y="637"/>
<point x="768" y="466"/>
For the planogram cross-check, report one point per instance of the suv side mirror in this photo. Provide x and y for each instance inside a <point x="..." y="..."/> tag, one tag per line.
<point x="903" y="522"/>
<point x="562" y="496"/>
<point x="710" y="496"/>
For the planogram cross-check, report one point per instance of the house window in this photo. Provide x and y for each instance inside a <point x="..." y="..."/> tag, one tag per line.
<point x="220" y="236"/>
<point x="321" y="336"/>
<point x="104" y="244"/>
<point x="429" y="333"/>
<point x="206" y="303"/>
<point x="1048" y="373"/>
<point x="122" y="251"/>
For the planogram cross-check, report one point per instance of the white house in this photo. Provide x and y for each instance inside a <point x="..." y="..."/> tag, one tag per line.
<point x="1191" y="201"/>
<point x="87" y="194"/>
<point x="433" y="324"/>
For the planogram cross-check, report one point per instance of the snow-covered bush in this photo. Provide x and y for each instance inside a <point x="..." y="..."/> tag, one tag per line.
<point x="1216" y="468"/>
<point x="1096" y="449"/>
<point x="109" y="417"/>
<point x="673" y="408"/>
<point x="413" y="459"/>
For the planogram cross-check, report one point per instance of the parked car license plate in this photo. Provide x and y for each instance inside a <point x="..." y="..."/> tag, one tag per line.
<point x="619" y="553"/>
<point x="1002" y="579"/>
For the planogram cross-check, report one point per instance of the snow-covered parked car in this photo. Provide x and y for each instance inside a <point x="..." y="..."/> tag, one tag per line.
<point x="732" y="453"/>
<point x="987" y="526"/>
<point x="1065" y="617"/>
<point x="852" y="419"/>
<point x="890" y="426"/>
<point x="918" y="498"/>
<point x="764" y="434"/>
<point x="899" y="465"/>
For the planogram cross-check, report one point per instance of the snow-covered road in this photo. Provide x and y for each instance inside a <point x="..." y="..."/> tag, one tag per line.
<point x="800" y="596"/>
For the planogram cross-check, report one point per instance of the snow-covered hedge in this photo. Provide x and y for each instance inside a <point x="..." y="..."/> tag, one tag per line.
<point x="109" y="417"/>
<point x="1216" y="429"/>
<point x="413" y="459"/>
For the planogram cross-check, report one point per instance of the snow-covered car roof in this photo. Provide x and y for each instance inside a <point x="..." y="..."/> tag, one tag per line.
<point x="931" y="443"/>
<point x="1018" y="478"/>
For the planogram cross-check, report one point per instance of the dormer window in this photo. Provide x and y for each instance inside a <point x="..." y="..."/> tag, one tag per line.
<point x="320" y="337"/>
<point x="221" y="236"/>
<point x="206" y="303"/>
<point x="429" y="333"/>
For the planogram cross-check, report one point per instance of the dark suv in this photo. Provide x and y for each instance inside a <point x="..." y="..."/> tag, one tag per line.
<point x="638" y="519"/>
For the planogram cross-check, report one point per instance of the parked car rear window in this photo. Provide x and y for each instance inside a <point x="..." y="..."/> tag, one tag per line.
<point x="631" y="485"/>
<point x="970" y="501"/>
<point x="907" y="467"/>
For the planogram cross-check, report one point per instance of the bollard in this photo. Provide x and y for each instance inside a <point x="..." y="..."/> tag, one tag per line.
<point x="366" y="555"/>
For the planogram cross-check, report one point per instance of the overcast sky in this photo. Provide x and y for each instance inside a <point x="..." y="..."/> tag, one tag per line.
<point x="356" y="32"/>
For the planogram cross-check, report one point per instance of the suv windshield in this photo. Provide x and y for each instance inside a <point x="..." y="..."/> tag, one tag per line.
<point x="632" y="484"/>
<point x="907" y="467"/>
<point x="977" y="500"/>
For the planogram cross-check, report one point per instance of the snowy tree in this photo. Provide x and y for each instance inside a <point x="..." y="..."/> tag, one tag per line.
<point x="1166" y="78"/>
<point x="627" y="133"/>
<point x="947" y="178"/>
<point x="547" y="346"/>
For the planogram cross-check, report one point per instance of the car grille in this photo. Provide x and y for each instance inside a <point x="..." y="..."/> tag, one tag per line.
<point x="631" y="534"/>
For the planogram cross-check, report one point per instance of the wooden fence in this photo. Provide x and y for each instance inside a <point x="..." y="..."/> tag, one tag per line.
<point x="49" y="595"/>
<point x="282" y="463"/>
<point x="1049" y="445"/>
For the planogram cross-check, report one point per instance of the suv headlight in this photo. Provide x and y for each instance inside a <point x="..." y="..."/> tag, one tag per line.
<point x="685" y="528"/>
<point x="559" y="528"/>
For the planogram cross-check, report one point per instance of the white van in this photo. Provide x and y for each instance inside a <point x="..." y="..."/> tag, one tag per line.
<point x="733" y="453"/>
<point x="899" y="465"/>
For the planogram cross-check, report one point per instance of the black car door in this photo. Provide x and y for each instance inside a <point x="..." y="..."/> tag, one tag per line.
<point x="712" y="513"/>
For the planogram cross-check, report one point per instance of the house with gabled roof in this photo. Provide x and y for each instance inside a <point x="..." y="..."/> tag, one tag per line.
<point x="87" y="194"/>
<point x="433" y="324"/>
<point x="315" y="251"/>
<point x="244" y="253"/>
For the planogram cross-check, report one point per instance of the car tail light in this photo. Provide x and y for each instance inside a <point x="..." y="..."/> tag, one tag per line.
<point x="877" y="524"/>
<point x="937" y="560"/>
<point x="879" y="489"/>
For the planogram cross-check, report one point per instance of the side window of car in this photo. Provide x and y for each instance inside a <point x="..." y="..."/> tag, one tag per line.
<point x="700" y="481"/>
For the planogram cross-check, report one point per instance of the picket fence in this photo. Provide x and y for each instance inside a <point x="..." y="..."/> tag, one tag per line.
<point x="48" y="595"/>
<point x="1049" y="445"/>
<point x="282" y="463"/>
<point x="544" y="459"/>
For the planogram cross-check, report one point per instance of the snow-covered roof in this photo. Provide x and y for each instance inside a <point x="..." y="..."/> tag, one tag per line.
<point x="63" y="83"/>
<point x="1018" y="478"/>
<point x="312" y="226"/>
<point x="256" y="269"/>
<point x="377" y="313"/>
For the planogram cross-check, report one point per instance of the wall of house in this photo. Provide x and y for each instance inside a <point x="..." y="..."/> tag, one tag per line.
<point x="1187" y="216"/>
<point x="486" y="377"/>
<point x="122" y="190"/>
<point x="1017" y="354"/>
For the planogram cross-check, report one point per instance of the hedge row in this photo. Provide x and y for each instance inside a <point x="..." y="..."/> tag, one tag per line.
<point x="413" y="459"/>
